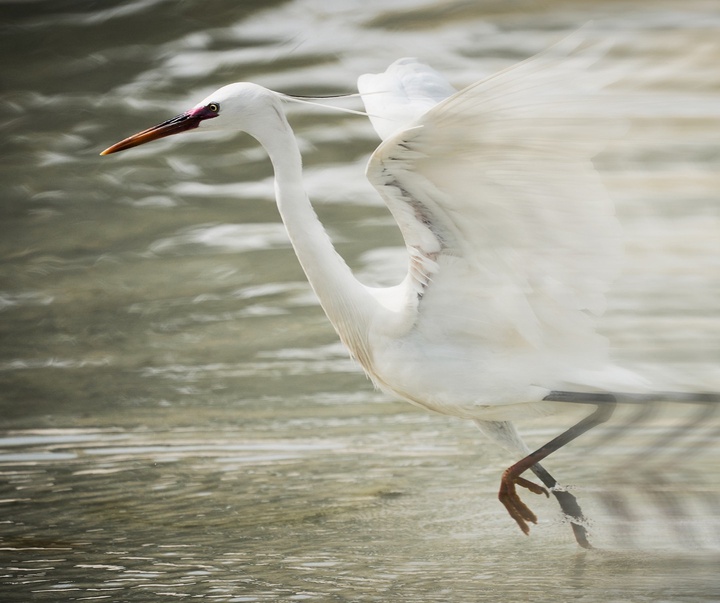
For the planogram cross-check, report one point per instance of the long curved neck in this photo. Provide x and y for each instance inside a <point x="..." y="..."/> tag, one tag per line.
<point x="345" y="300"/>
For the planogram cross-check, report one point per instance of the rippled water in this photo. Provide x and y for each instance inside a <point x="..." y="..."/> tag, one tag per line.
<point x="178" y="419"/>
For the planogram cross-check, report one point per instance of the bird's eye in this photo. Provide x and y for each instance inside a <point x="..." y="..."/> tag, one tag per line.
<point x="214" y="107"/>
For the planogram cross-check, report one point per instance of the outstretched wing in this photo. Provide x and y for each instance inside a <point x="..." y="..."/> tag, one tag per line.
<point x="512" y="238"/>
<point x="402" y="94"/>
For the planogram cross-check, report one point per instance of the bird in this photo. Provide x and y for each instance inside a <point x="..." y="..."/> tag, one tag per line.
<point x="512" y="243"/>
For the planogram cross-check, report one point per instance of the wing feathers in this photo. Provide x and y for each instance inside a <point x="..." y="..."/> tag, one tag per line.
<point x="506" y="221"/>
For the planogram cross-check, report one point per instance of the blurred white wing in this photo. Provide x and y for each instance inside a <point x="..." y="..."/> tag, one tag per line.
<point x="512" y="238"/>
<point x="402" y="94"/>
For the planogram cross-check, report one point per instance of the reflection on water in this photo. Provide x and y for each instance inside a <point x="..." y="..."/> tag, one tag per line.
<point x="178" y="419"/>
<point x="247" y="515"/>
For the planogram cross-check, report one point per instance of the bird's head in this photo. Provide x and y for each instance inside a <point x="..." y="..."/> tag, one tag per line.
<point x="240" y="106"/>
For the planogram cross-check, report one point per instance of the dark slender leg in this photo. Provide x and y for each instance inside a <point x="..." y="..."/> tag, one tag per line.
<point x="568" y="503"/>
<point x="605" y="404"/>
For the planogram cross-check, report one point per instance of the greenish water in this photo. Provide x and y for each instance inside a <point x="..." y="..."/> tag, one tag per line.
<point x="177" y="418"/>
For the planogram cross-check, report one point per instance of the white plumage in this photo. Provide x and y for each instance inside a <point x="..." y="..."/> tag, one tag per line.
<point x="511" y="239"/>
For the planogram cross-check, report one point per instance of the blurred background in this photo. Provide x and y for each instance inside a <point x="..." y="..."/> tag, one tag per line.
<point x="177" y="417"/>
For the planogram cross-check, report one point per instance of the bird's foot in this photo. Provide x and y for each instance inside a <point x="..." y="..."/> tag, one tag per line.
<point x="509" y="497"/>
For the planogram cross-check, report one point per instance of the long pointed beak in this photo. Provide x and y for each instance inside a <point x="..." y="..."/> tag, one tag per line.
<point x="181" y="123"/>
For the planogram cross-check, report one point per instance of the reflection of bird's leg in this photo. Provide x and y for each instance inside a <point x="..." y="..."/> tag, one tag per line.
<point x="508" y="496"/>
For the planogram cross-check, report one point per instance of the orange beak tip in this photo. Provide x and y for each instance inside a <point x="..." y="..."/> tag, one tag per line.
<point x="181" y="123"/>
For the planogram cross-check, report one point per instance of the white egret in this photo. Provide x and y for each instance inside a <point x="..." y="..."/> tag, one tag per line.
<point x="510" y="236"/>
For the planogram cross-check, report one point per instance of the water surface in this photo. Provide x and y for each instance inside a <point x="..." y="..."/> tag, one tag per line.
<point x="177" y="417"/>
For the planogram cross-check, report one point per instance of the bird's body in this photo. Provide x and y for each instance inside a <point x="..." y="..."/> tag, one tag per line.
<point x="511" y="239"/>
